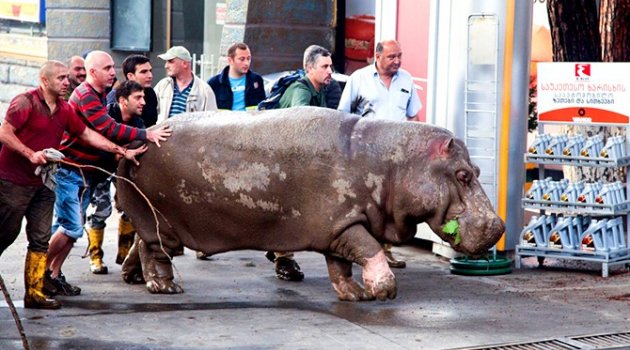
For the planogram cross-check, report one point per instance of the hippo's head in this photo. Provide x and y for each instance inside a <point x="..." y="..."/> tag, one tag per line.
<point x="446" y="194"/>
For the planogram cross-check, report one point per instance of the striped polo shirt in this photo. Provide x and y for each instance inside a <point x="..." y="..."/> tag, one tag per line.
<point x="90" y="106"/>
<point x="179" y="98"/>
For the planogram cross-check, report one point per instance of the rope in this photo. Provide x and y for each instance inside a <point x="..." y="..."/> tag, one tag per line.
<point x="154" y="210"/>
<point x="16" y="317"/>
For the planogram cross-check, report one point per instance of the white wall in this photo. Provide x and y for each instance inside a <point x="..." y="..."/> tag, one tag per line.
<point x="360" y="7"/>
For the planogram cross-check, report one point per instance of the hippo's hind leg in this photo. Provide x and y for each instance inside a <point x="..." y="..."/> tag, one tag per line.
<point x="340" y="273"/>
<point x="131" y="266"/>
<point x="158" y="271"/>
<point x="357" y="245"/>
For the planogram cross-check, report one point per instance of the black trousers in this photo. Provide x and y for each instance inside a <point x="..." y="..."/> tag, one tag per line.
<point x="35" y="203"/>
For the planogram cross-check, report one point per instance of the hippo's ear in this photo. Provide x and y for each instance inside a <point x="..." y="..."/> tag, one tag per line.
<point x="441" y="147"/>
<point x="446" y="147"/>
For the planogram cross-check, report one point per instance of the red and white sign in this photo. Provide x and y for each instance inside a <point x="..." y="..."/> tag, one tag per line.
<point x="584" y="92"/>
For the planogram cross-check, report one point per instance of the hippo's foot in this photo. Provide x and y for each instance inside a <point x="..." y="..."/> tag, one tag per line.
<point x="158" y="286"/>
<point x="131" y="266"/>
<point x="133" y="277"/>
<point x="340" y="272"/>
<point x="157" y="271"/>
<point x="349" y="290"/>
<point x="379" y="281"/>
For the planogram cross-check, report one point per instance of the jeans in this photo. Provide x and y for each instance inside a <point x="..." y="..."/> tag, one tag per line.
<point x="73" y="197"/>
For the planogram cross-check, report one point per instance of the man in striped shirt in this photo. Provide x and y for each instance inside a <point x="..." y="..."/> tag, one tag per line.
<point x="88" y="100"/>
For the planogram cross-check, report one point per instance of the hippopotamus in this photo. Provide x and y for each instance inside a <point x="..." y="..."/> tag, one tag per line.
<point x="303" y="179"/>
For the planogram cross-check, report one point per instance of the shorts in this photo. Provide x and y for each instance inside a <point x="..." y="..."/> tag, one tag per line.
<point x="73" y="197"/>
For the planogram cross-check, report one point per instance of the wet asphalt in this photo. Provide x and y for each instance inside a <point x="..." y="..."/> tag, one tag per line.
<point x="234" y="301"/>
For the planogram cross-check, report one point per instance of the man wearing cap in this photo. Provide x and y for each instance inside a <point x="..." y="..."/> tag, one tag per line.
<point x="181" y="91"/>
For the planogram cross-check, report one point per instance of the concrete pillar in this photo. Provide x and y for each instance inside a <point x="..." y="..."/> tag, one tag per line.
<point x="75" y="26"/>
<point x="278" y="31"/>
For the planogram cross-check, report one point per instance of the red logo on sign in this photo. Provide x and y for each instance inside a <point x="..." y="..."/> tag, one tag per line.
<point x="582" y="70"/>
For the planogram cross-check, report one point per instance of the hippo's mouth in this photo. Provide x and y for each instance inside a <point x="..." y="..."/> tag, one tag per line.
<point x="451" y="229"/>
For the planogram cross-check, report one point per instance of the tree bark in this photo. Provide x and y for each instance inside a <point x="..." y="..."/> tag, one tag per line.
<point x="615" y="33"/>
<point x="574" y="30"/>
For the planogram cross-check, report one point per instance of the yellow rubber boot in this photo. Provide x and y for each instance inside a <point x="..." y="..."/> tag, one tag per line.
<point x="126" y="235"/>
<point x="34" y="269"/>
<point x="95" y="235"/>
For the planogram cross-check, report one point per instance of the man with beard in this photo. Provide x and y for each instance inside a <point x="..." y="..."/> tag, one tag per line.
<point x="76" y="74"/>
<point x="309" y="90"/>
<point x="135" y="68"/>
<point x="138" y="68"/>
<point x="73" y="192"/>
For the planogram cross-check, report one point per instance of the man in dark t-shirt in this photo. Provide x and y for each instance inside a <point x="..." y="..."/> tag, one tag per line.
<point x="36" y="121"/>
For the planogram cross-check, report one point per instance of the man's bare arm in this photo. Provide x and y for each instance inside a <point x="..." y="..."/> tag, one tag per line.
<point x="10" y="140"/>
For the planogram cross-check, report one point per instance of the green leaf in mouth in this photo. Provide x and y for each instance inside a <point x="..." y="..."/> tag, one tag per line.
<point x="451" y="228"/>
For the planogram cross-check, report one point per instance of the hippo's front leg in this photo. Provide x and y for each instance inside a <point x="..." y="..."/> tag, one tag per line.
<point x="340" y="273"/>
<point x="158" y="271"/>
<point x="379" y="280"/>
<point x="357" y="245"/>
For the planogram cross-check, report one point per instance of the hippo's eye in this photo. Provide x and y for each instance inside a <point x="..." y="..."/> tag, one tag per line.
<point x="464" y="176"/>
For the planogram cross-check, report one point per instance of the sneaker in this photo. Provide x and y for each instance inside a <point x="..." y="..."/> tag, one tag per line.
<point x="63" y="287"/>
<point x="271" y="256"/>
<point x="49" y="286"/>
<point x="288" y="270"/>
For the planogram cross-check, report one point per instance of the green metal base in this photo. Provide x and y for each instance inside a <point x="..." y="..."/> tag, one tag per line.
<point x="473" y="267"/>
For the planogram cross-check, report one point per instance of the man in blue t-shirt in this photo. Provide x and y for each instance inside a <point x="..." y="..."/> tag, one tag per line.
<point x="238" y="88"/>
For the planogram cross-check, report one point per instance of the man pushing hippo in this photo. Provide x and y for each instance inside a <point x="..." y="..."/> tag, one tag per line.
<point x="304" y="178"/>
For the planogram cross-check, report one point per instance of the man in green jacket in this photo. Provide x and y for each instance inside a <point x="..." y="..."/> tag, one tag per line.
<point x="310" y="90"/>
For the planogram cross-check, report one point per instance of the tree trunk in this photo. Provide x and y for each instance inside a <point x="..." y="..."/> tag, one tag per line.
<point x="576" y="38"/>
<point x="574" y="30"/>
<point x="615" y="33"/>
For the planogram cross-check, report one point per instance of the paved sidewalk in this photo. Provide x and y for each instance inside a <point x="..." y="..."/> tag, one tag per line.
<point x="235" y="302"/>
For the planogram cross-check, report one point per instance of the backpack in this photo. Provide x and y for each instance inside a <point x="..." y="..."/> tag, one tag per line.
<point x="278" y="89"/>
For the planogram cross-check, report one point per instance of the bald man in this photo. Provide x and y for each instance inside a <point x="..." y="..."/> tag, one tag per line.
<point x="383" y="90"/>
<point x="76" y="73"/>
<point x="36" y="120"/>
<point x="73" y="195"/>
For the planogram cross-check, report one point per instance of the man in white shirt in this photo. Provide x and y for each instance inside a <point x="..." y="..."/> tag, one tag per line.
<point x="383" y="90"/>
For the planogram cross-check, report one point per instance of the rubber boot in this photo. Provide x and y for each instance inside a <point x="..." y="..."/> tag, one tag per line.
<point x="126" y="235"/>
<point x="34" y="269"/>
<point x="95" y="235"/>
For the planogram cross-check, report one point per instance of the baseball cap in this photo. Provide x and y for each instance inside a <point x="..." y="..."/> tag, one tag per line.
<point x="176" y="52"/>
